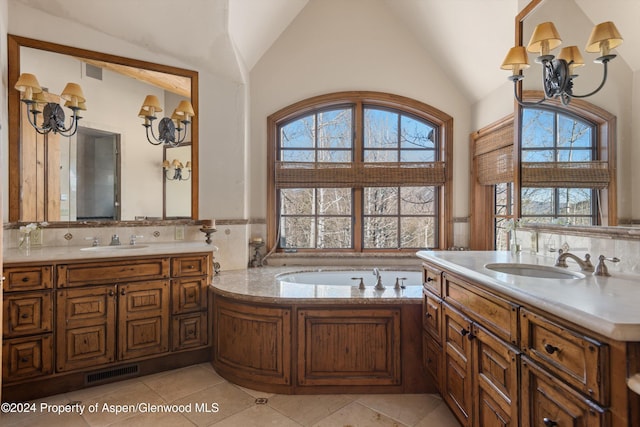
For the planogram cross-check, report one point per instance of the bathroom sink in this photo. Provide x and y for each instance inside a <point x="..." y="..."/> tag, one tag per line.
<point x="113" y="248"/>
<point x="534" y="270"/>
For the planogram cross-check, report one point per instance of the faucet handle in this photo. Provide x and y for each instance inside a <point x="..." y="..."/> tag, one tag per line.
<point x="601" y="269"/>
<point x="96" y="240"/>
<point x="132" y="239"/>
<point x="361" y="285"/>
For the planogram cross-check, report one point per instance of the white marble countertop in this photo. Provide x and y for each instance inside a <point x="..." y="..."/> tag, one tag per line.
<point x="609" y="306"/>
<point x="79" y="253"/>
<point x="261" y="285"/>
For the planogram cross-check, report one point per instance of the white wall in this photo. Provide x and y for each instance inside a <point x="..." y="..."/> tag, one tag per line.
<point x="335" y="46"/>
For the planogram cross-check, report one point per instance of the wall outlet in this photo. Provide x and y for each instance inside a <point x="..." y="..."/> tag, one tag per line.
<point x="179" y="232"/>
<point x="37" y="237"/>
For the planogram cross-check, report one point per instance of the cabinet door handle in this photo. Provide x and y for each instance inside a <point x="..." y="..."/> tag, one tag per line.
<point x="24" y="315"/>
<point x="25" y="279"/>
<point x="471" y="336"/>
<point x="111" y="293"/>
<point x="551" y="349"/>
<point x="428" y="315"/>
<point x="122" y="292"/>
<point x="549" y="422"/>
<point x="429" y="279"/>
<point x="464" y="332"/>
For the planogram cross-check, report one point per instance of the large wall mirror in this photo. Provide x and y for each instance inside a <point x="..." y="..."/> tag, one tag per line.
<point x="574" y="20"/>
<point x="107" y="171"/>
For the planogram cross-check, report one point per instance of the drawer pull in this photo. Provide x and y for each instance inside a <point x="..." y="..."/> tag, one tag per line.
<point x="25" y="279"/>
<point x="24" y="315"/>
<point x="551" y="349"/>
<point x="429" y="279"/>
<point x="24" y="360"/>
<point x="111" y="293"/>
<point x="464" y="332"/>
<point x="471" y="336"/>
<point x="549" y="422"/>
<point x="122" y="292"/>
<point x="428" y="315"/>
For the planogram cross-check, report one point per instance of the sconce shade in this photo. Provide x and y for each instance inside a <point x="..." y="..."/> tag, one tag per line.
<point x="151" y="105"/>
<point x="176" y="164"/>
<point x="165" y="164"/>
<point x="188" y="165"/>
<point x="185" y="108"/>
<point x="143" y="113"/>
<point x="73" y="93"/>
<point x="81" y="105"/>
<point x="28" y="85"/>
<point x="572" y="55"/>
<point x="544" y="39"/>
<point x="516" y="60"/>
<point x="604" y="36"/>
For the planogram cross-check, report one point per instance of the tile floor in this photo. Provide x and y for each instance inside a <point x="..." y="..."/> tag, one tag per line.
<point x="200" y="397"/>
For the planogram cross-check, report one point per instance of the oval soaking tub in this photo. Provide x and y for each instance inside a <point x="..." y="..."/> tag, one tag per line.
<point x="284" y="330"/>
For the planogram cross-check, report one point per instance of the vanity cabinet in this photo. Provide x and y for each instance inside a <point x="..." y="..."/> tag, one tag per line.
<point x="68" y="324"/>
<point x="508" y="363"/>
<point x="432" y="323"/>
<point x="27" y="346"/>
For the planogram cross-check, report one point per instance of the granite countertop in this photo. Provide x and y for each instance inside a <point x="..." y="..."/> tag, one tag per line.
<point x="605" y="305"/>
<point x="81" y="253"/>
<point x="261" y="285"/>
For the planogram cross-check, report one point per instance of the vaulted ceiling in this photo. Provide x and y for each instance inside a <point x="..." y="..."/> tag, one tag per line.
<point x="469" y="38"/>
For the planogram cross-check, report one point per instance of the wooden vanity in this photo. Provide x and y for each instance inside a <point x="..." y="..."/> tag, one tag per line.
<point x="74" y="323"/>
<point x="503" y="360"/>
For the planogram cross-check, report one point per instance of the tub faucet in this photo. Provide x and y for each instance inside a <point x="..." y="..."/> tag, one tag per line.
<point x="115" y="240"/>
<point x="379" y="286"/>
<point x="585" y="265"/>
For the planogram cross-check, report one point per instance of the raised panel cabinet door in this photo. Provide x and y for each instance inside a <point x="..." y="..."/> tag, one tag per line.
<point x="349" y="347"/>
<point x="432" y="358"/>
<point x="547" y="401"/>
<point x="432" y="316"/>
<point x="143" y="318"/>
<point x="457" y="368"/>
<point x="188" y="295"/>
<point x="193" y="265"/>
<point x="496" y="386"/>
<point x="189" y="330"/>
<point x="24" y="358"/>
<point x="85" y="327"/>
<point x="27" y="313"/>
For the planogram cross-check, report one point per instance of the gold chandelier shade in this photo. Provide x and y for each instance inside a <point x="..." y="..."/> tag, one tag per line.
<point x="604" y="37"/>
<point x="185" y="108"/>
<point x="544" y="39"/>
<point x="151" y="105"/>
<point x="28" y="85"/>
<point x="516" y="60"/>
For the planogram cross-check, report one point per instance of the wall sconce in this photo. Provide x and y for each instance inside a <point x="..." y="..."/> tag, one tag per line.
<point x="167" y="127"/>
<point x="558" y="73"/>
<point x="38" y="102"/>
<point x="177" y="167"/>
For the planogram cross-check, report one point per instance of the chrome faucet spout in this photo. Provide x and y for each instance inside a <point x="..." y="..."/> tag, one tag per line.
<point x="585" y="265"/>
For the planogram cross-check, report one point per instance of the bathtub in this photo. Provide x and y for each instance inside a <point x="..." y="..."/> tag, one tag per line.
<point x="351" y="278"/>
<point x="292" y="330"/>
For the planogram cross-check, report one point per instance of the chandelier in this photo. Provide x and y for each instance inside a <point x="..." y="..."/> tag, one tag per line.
<point x="178" y="167"/>
<point x="558" y="73"/>
<point x="40" y="102"/>
<point x="170" y="129"/>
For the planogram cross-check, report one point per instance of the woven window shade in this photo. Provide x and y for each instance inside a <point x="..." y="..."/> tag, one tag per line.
<point x="357" y="175"/>
<point x="495" y="167"/>
<point x="594" y="174"/>
<point x="493" y="153"/>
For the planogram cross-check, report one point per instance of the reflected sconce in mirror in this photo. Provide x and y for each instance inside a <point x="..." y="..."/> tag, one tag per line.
<point x="177" y="167"/>
<point x="169" y="128"/>
<point x="40" y="102"/>
<point x="558" y="73"/>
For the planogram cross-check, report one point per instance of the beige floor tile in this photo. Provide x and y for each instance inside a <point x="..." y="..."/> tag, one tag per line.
<point x="93" y="393"/>
<point x="307" y="410"/>
<point x="62" y="420"/>
<point x="33" y="410"/>
<point x="406" y="408"/>
<point x="258" y="416"/>
<point x="228" y="399"/>
<point x="176" y="384"/>
<point x="441" y="416"/>
<point x="256" y="393"/>
<point x="166" y="419"/>
<point x="357" y="415"/>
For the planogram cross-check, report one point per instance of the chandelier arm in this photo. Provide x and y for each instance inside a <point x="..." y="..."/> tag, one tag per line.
<point x="604" y="79"/>
<point x="187" y="178"/>
<point x="32" y="122"/>
<point x="520" y="101"/>
<point x="73" y="126"/>
<point x="155" y="140"/>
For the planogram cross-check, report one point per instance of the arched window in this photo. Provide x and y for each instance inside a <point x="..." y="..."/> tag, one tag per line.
<point x="359" y="171"/>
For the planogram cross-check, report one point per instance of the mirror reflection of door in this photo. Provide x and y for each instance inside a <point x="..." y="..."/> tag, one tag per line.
<point x="93" y="190"/>
<point x="177" y="186"/>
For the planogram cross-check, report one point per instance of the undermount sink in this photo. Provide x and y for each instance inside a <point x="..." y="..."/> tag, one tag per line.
<point x="534" y="270"/>
<point x="113" y="248"/>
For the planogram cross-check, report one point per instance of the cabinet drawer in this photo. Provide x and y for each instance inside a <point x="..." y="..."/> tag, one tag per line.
<point x="24" y="358"/>
<point x="112" y="272"/>
<point x="197" y="265"/>
<point x="547" y="401"/>
<point x="579" y="360"/>
<point x="432" y="279"/>
<point x="432" y="315"/>
<point x="27" y="313"/>
<point x="498" y="315"/>
<point x="188" y="295"/>
<point x="27" y="278"/>
<point x="189" y="330"/>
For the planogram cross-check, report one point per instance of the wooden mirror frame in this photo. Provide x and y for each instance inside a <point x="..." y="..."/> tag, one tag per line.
<point x="14" y="43"/>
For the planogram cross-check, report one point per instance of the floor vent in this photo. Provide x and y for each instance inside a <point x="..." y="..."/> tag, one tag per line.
<point x="107" y="374"/>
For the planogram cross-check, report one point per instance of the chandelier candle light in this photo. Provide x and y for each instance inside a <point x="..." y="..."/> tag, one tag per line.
<point x="40" y="102"/>
<point x="167" y="126"/>
<point x="558" y="73"/>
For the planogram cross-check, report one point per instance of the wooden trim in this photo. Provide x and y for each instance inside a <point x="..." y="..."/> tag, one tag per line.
<point x="357" y="99"/>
